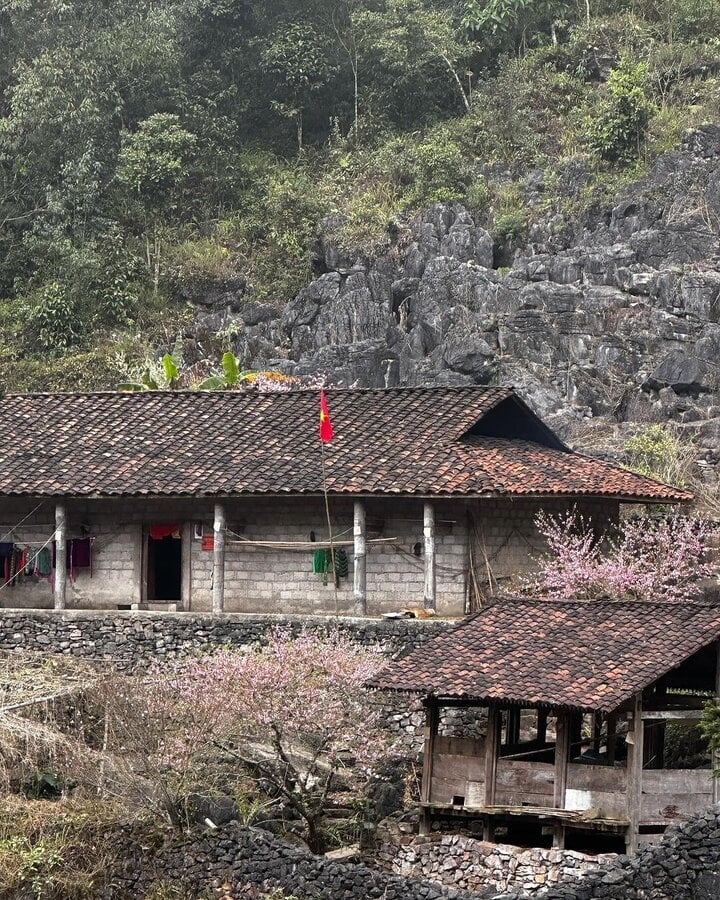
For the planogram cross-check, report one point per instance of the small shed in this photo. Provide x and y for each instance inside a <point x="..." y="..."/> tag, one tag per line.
<point x="579" y="696"/>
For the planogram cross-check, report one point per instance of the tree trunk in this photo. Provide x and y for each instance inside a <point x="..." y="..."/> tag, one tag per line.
<point x="300" y="130"/>
<point x="314" y="836"/>
<point x="456" y="77"/>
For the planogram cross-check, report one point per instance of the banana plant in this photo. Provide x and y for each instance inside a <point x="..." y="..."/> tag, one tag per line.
<point x="230" y="377"/>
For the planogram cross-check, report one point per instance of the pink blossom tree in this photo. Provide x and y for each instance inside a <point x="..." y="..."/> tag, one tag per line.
<point x="648" y="559"/>
<point x="294" y="714"/>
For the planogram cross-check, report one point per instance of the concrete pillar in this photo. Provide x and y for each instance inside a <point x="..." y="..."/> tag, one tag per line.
<point x="429" y="540"/>
<point x="218" y="592"/>
<point x="60" y="555"/>
<point x="359" y="559"/>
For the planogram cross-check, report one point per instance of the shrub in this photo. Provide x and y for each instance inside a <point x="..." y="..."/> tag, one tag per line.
<point x="616" y="130"/>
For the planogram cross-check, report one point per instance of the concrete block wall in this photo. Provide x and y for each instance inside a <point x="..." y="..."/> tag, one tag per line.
<point x="501" y="533"/>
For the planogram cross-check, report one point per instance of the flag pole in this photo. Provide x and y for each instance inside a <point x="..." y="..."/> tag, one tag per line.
<point x="329" y="524"/>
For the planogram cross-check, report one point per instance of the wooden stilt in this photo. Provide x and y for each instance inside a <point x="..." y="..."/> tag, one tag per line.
<point x="634" y="776"/>
<point x="492" y="750"/>
<point x="562" y="756"/>
<point x="60" y="556"/>
<point x="432" y="719"/>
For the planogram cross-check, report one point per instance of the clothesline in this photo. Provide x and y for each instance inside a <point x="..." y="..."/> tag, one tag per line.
<point x="306" y="545"/>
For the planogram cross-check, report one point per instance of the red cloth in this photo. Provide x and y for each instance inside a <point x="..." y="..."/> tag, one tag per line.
<point x="163" y="530"/>
<point x="326" y="428"/>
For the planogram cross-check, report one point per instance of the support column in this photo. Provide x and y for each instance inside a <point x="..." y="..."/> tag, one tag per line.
<point x="429" y="539"/>
<point x="492" y="751"/>
<point x="432" y="719"/>
<point x="186" y="566"/>
<point x="360" y="559"/>
<point x="562" y="758"/>
<point x="218" y="592"/>
<point x="610" y="740"/>
<point x="636" y="752"/>
<point x="60" y="555"/>
<point x="716" y="754"/>
<point x="542" y="717"/>
<point x="513" y="729"/>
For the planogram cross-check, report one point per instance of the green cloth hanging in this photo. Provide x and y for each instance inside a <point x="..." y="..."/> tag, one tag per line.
<point x="320" y="562"/>
<point x="341" y="564"/>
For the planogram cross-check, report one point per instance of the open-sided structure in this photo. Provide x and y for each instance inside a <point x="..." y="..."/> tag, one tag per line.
<point x="579" y="697"/>
<point x="197" y="500"/>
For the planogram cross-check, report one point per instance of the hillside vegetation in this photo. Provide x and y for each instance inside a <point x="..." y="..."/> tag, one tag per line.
<point x="145" y="144"/>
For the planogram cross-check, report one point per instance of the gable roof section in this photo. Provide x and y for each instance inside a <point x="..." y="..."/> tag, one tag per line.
<point x="398" y="441"/>
<point x="590" y="655"/>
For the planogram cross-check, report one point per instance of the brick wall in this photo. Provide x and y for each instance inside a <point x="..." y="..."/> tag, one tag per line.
<point x="499" y="535"/>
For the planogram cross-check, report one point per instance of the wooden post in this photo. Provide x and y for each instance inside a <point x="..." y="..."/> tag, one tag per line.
<point x="429" y="537"/>
<point x="360" y="559"/>
<point x="492" y="749"/>
<point x="542" y="717"/>
<point x="562" y="758"/>
<point x="432" y="719"/>
<point x="634" y="776"/>
<point x="60" y="555"/>
<point x="716" y="754"/>
<point x="611" y="735"/>
<point x="513" y="728"/>
<point x="218" y="592"/>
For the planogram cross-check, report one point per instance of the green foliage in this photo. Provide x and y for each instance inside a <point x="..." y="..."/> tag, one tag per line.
<point x="52" y="319"/>
<point x="656" y="451"/>
<point x="502" y="23"/>
<point x="153" y="162"/>
<point x="617" y="128"/>
<point x="144" y="145"/>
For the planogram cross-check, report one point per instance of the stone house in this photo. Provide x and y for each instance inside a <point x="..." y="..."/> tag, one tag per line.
<point x="580" y="703"/>
<point x="214" y="501"/>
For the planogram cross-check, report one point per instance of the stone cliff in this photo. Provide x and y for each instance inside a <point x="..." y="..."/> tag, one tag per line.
<point x="604" y="320"/>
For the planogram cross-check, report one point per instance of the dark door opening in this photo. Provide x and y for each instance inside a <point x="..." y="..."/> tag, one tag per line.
<point x="164" y="569"/>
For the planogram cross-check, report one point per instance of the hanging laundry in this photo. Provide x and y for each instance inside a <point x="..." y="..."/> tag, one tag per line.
<point x="80" y="555"/>
<point x="163" y="530"/>
<point x="321" y="564"/>
<point x="341" y="564"/>
<point x="43" y="563"/>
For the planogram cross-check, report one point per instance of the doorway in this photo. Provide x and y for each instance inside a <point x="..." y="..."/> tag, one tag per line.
<point x="164" y="569"/>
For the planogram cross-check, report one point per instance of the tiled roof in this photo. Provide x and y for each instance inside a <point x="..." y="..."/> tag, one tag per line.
<point x="591" y="655"/>
<point x="400" y="441"/>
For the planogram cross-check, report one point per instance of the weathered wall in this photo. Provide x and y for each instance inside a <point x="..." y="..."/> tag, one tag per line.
<point x="131" y="639"/>
<point x="497" y="534"/>
<point x="475" y="865"/>
<point x="238" y="857"/>
<point x="684" y="865"/>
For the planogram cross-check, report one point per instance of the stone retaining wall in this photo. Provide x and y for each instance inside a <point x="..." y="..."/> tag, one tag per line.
<point x="684" y="865"/>
<point x="474" y="865"/>
<point x="235" y="857"/>
<point x="130" y="640"/>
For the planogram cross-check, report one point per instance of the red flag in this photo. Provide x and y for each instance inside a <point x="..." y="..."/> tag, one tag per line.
<point x="326" y="429"/>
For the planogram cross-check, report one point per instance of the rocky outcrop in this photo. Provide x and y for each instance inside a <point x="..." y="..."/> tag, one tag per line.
<point x="613" y="319"/>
